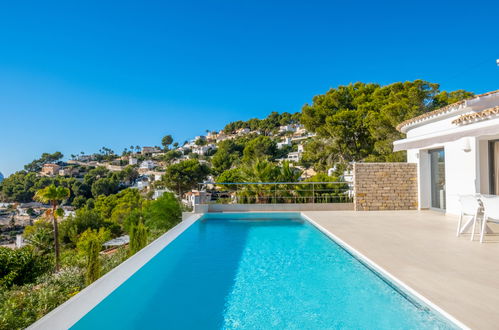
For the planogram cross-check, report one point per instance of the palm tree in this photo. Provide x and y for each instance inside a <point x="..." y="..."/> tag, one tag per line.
<point x="53" y="195"/>
<point x="260" y="170"/>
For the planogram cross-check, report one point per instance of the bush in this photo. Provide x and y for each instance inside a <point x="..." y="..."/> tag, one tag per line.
<point x="85" y="219"/>
<point x="21" y="266"/>
<point x="163" y="213"/>
<point x="109" y="261"/>
<point x="138" y="238"/>
<point x="21" y="306"/>
<point x="89" y="245"/>
<point x="41" y="236"/>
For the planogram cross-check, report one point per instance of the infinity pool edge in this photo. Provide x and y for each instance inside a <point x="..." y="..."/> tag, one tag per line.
<point x="71" y="311"/>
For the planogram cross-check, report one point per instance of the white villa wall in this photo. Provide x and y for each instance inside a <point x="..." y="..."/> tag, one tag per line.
<point x="460" y="173"/>
<point x="460" y="169"/>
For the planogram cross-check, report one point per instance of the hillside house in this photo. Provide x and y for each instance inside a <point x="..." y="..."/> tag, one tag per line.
<point x="69" y="171"/>
<point x="147" y="165"/>
<point x="243" y="131"/>
<point x="150" y="150"/>
<point x="203" y="150"/>
<point x="287" y="129"/>
<point x="50" y="170"/>
<point x="294" y="156"/>
<point x="286" y="142"/>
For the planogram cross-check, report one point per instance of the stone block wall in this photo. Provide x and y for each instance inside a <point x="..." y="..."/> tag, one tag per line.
<point x="385" y="186"/>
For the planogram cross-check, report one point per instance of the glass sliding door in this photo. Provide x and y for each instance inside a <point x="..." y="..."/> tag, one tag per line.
<point x="494" y="167"/>
<point x="437" y="169"/>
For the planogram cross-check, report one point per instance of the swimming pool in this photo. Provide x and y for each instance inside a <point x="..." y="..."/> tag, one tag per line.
<point x="257" y="271"/>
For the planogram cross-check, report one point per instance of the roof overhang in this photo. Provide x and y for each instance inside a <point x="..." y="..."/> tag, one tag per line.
<point x="448" y="110"/>
<point x="487" y="128"/>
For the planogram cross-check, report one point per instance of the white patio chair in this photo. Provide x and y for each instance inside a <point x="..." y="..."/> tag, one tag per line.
<point x="469" y="207"/>
<point x="491" y="212"/>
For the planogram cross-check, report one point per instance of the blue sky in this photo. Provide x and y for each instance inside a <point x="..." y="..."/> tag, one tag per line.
<point x="76" y="76"/>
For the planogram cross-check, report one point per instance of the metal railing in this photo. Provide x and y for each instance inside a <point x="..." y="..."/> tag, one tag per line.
<point x="275" y="192"/>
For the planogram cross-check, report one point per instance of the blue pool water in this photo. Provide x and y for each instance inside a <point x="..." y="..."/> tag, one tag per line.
<point x="256" y="271"/>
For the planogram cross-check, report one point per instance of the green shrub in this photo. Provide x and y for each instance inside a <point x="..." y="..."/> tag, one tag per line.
<point x="138" y="238"/>
<point x="112" y="260"/>
<point x="21" y="306"/>
<point x="74" y="226"/>
<point x="89" y="245"/>
<point x="21" y="266"/>
<point x="162" y="213"/>
<point x="41" y="236"/>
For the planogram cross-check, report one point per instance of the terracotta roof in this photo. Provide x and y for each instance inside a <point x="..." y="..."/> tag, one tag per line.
<point x="476" y="116"/>
<point x="445" y="109"/>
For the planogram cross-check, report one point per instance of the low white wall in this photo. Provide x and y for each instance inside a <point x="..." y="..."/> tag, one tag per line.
<point x="280" y="207"/>
<point x="67" y="314"/>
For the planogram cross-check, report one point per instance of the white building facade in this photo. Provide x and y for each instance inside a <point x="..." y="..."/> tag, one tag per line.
<point x="147" y="165"/>
<point x="456" y="149"/>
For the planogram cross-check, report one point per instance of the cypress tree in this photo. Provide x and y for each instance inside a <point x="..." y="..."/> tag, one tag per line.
<point x="138" y="237"/>
<point x="89" y="245"/>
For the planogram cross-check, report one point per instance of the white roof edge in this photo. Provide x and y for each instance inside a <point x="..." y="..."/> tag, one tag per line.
<point x="442" y="115"/>
<point x="450" y="108"/>
<point x="483" y="128"/>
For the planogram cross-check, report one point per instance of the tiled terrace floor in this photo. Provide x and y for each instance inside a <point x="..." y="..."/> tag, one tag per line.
<point x="421" y="249"/>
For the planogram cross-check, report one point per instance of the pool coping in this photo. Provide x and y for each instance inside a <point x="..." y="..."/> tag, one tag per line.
<point x="385" y="275"/>
<point x="71" y="311"/>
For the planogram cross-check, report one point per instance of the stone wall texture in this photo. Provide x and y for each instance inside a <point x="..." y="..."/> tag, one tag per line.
<point x="385" y="186"/>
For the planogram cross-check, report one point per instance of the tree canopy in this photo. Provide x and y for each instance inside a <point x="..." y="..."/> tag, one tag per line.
<point x="184" y="176"/>
<point x="358" y="121"/>
<point x="228" y="152"/>
<point x="166" y="141"/>
<point x="265" y="126"/>
<point x="260" y="147"/>
<point x="162" y="213"/>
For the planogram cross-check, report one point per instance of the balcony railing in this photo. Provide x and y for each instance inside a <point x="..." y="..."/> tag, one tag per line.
<point x="275" y="192"/>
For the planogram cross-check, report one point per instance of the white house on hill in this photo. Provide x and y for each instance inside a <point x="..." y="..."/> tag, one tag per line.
<point x="284" y="143"/>
<point x="147" y="165"/>
<point x="287" y="128"/>
<point x="456" y="149"/>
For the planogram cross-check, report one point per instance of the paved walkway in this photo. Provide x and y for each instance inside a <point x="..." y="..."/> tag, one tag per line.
<point x="421" y="249"/>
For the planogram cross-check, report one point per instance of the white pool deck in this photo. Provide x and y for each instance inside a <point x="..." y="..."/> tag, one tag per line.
<point x="420" y="248"/>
